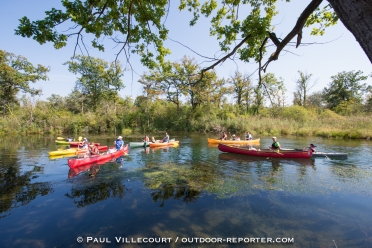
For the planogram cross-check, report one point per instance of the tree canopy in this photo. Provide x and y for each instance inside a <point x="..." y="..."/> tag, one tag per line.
<point x="244" y="28"/>
<point x="16" y="74"/>
<point x="345" y="87"/>
<point x="98" y="79"/>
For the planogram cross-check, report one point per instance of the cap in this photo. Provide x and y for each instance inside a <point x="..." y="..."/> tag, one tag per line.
<point x="120" y="137"/>
<point x="274" y="137"/>
<point x="312" y="145"/>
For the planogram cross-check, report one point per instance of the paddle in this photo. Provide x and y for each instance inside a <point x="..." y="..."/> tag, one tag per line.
<point x="277" y="151"/>
<point x="77" y="150"/>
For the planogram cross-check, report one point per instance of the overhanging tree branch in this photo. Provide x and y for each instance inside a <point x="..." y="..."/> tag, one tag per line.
<point x="297" y="29"/>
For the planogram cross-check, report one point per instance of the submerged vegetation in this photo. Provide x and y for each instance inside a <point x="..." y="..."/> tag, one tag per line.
<point x="171" y="179"/>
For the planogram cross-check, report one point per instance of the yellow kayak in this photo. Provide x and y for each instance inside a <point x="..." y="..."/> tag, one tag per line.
<point x="66" y="152"/>
<point x="74" y="151"/>
<point x="170" y="143"/>
<point x="240" y="142"/>
<point x="62" y="156"/>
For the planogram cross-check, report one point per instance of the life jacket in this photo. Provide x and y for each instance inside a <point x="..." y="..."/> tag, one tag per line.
<point x="93" y="150"/>
<point x="119" y="144"/>
<point x="273" y="145"/>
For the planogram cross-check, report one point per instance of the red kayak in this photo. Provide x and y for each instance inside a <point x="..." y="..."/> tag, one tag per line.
<point x="76" y="144"/>
<point x="76" y="162"/>
<point x="264" y="152"/>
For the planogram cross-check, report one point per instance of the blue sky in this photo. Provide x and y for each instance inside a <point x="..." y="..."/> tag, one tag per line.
<point x="334" y="52"/>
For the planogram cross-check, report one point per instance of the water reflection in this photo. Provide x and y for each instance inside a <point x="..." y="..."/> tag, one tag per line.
<point x="166" y="192"/>
<point x="275" y="161"/>
<point x="16" y="187"/>
<point x="164" y="149"/>
<point x="92" y="170"/>
<point x="96" y="191"/>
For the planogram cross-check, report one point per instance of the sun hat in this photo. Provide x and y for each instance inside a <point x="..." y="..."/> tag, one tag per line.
<point x="120" y="137"/>
<point x="312" y="145"/>
<point x="274" y="137"/>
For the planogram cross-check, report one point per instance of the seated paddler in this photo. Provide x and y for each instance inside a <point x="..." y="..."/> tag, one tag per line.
<point x="275" y="145"/>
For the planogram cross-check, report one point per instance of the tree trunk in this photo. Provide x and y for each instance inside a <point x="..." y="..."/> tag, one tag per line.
<point x="356" y="15"/>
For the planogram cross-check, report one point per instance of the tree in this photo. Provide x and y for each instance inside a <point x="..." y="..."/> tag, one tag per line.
<point x="56" y="102"/>
<point x="99" y="80"/>
<point x="151" y="89"/>
<point x="350" y="13"/>
<point x="219" y="91"/>
<point x="303" y="85"/>
<point x="243" y="89"/>
<point x="274" y="89"/>
<point x="140" y="23"/>
<point x="345" y="87"/>
<point x="16" y="74"/>
<point x="180" y="80"/>
<point x="75" y="101"/>
<point x="317" y="100"/>
<point x="198" y="92"/>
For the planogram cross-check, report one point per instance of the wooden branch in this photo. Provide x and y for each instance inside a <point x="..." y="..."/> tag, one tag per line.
<point x="296" y="30"/>
<point x="128" y="24"/>
<point x="226" y="56"/>
<point x="220" y="60"/>
<point x="101" y="12"/>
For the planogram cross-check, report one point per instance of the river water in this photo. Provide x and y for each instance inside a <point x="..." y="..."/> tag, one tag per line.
<point x="189" y="196"/>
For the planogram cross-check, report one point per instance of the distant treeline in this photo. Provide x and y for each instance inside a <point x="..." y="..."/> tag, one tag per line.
<point x="177" y="98"/>
<point x="58" y="116"/>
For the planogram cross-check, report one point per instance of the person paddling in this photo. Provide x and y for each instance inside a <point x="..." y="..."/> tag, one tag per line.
<point x="84" y="144"/>
<point x="166" y="138"/>
<point x="275" y="145"/>
<point x="224" y="136"/>
<point x="93" y="149"/>
<point x="310" y="148"/>
<point x="248" y="136"/>
<point x="119" y="143"/>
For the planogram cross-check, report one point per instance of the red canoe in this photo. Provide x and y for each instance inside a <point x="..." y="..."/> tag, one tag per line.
<point x="76" y="162"/>
<point x="265" y="152"/>
<point x="76" y="144"/>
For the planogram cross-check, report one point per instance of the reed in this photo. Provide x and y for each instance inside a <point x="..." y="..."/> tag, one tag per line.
<point x="293" y="120"/>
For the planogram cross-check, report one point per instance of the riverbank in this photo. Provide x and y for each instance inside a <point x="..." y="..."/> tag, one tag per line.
<point x="296" y="121"/>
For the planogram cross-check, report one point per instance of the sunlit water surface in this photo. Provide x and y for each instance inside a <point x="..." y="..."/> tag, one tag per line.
<point x="192" y="191"/>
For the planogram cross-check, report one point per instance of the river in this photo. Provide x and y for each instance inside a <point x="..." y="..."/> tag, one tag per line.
<point x="189" y="196"/>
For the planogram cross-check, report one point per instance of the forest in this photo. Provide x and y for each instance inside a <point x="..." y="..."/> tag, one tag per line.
<point x="176" y="100"/>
